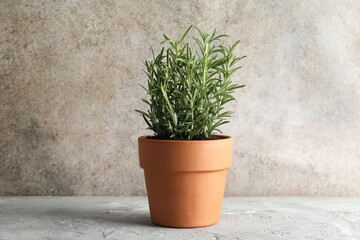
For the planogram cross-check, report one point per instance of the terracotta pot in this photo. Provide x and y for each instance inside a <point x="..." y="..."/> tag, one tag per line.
<point x="185" y="179"/>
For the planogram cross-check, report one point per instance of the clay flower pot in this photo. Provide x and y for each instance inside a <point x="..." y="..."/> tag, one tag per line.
<point x="185" y="179"/>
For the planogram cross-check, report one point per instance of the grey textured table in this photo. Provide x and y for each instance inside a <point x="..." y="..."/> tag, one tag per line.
<point x="128" y="218"/>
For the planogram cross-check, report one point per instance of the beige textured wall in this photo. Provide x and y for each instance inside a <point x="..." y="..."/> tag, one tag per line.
<point x="69" y="76"/>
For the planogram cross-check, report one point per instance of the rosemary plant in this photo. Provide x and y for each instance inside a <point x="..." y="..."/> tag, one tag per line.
<point x="188" y="85"/>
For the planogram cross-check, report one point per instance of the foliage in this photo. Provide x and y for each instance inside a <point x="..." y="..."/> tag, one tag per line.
<point x="188" y="86"/>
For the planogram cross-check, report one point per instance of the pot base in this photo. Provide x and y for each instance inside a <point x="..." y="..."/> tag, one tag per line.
<point x="185" y="199"/>
<point x="184" y="226"/>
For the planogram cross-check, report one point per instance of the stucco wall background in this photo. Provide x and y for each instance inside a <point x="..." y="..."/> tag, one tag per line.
<point x="69" y="76"/>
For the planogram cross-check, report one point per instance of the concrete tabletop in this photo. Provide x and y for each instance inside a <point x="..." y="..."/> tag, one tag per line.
<point x="128" y="218"/>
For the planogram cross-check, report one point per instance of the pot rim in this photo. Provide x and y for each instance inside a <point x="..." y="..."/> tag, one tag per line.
<point x="185" y="155"/>
<point x="221" y="138"/>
